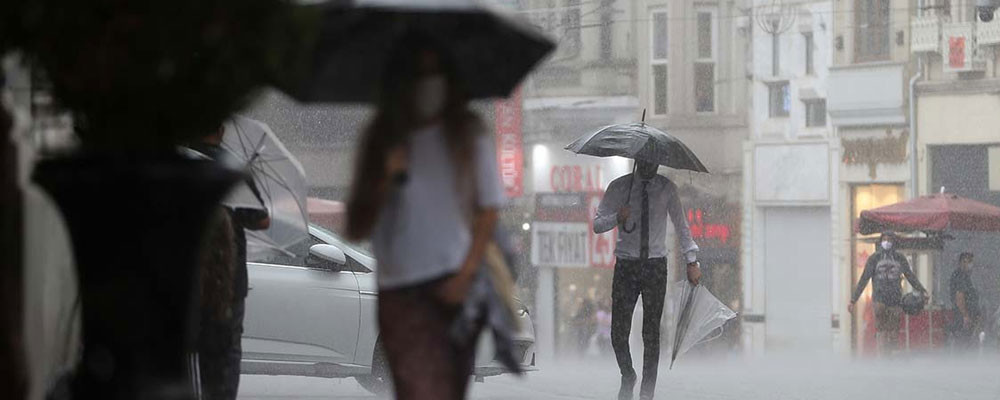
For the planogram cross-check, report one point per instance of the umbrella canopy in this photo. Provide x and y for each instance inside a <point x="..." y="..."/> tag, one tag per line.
<point x="280" y="184"/>
<point x="493" y="52"/>
<point x="640" y="142"/>
<point x="698" y="314"/>
<point x="938" y="212"/>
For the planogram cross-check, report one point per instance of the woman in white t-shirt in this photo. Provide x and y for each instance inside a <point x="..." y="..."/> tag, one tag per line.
<point x="426" y="191"/>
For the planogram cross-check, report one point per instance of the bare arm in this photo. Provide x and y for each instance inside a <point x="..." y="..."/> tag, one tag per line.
<point x="483" y="224"/>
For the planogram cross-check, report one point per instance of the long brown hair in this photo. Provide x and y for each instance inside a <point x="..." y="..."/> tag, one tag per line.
<point x="395" y="120"/>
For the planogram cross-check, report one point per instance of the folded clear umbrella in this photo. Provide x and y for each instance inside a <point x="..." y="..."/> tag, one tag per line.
<point x="697" y="314"/>
<point x="279" y="185"/>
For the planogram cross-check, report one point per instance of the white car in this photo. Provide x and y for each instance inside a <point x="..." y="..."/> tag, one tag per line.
<point x="314" y="314"/>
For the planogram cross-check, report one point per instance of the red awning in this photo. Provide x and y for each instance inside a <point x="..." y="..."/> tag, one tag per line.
<point x="939" y="212"/>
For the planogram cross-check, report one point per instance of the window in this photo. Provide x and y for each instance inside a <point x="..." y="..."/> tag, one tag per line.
<point x="659" y="61"/>
<point x="816" y="112"/>
<point x="810" y="49"/>
<point x="779" y="101"/>
<point x="704" y="65"/>
<point x="871" y="32"/>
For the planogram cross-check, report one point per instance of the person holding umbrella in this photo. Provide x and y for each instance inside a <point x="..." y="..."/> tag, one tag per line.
<point x="427" y="191"/>
<point x="220" y="357"/>
<point x="886" y="269"/>
<point x="639" y="204"/>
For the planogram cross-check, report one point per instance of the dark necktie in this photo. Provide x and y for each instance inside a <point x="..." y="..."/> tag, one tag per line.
<point x="644" y="229"/>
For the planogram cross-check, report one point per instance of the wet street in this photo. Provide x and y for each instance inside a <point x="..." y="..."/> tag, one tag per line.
<point x="802" y="378"/>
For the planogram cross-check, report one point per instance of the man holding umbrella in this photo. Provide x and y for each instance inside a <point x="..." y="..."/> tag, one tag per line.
<point x="639" y="205"/>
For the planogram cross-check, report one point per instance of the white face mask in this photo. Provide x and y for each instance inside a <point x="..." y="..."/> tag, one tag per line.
<point x="886" y="244"/>
<point x="430" y="93"/>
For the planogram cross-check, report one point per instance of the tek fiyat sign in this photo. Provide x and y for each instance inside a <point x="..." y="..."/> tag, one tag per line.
<point x="510" y="149"/>
<point x="562" y="234"/>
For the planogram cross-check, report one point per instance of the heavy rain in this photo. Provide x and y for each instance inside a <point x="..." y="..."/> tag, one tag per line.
<point x="500" y="199"/>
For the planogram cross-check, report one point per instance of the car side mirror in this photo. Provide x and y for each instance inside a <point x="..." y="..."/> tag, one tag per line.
<point x="326" y="255"/>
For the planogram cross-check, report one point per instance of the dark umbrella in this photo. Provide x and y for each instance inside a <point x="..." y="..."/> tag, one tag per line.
<point x="493" y="52"/>
<point x="638" y="141"/>
<point x="938" y="212"/>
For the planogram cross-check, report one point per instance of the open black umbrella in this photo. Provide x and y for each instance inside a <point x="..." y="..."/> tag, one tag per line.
<point x="493" y="51"/>
<point x="638" y="141"/>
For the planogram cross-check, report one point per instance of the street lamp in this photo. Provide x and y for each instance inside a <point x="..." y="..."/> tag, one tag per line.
<point x="774" y="17"/>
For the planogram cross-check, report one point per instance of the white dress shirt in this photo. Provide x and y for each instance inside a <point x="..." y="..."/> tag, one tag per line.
<point x="663" y="202"/>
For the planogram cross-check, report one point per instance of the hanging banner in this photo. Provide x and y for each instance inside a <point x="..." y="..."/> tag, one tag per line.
<point x="510" y="146"/>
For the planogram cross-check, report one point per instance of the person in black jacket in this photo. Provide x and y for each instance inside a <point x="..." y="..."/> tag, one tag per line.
<point x="220" y="358"/>
<point x="965" y="297"/>
<point x="885" y="269"/>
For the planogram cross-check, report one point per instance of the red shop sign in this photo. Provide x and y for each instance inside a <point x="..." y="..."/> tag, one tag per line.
<point x="510" y="148"/>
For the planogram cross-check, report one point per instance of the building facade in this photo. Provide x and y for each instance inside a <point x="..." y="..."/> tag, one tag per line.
<point x="869" y="106"/>
<point x="957" y="130"/>
<point x="790" y="162"/>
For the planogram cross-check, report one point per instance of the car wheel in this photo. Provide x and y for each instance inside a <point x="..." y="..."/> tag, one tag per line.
<point x="379" y="382"/>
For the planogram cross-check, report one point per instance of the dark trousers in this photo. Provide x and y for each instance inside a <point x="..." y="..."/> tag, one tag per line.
<point x="632" y="278"/>
<point x="220" y="354"/>
<point x="425" y="363"/>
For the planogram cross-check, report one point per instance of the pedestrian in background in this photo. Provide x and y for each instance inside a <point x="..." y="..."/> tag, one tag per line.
<point x="217" y="276"/>
<point x="426" y="190"/>
<point x="585" y="324"/>
<point x="641" y="264"/>
<point x="241" y="219"/>
<point x="965" y="298"/>
<point x="886" y="269"/>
